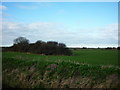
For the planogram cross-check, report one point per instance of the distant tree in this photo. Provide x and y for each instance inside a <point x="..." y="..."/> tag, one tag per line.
<point x="54" y="43"/>
<point x="74" y="48"/>
<point x="52" y="47"/>
<point x="84" y="47"/>
<point x="39" y="42"/>
<point x="118" y="48"/>
<point x="37" y="47"/>
<point x="98" y="47"/>
<point x="21" y="40"/>
<point x="108" y="48"/>
<point x="21" y="44"/>
<point x="114" y="48"/>
<point x="62" y="45"/>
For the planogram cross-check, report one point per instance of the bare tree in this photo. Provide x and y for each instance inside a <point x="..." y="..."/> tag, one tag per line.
<point x="21" y="40"/>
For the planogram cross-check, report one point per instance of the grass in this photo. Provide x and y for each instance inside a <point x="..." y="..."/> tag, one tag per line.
<point x="103" y="57"/>
<point x="31" y="70"/>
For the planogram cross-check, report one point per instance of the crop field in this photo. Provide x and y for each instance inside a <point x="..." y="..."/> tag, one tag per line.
<point x="104" y="57"/>
<point x="84" y="69"/>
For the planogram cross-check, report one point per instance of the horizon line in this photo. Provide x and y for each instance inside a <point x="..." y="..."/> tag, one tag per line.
<point x="74" y="46"/>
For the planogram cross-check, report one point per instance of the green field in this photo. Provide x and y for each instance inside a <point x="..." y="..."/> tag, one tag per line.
<point x="101" y="57"/>
<point x="86" y="68"/>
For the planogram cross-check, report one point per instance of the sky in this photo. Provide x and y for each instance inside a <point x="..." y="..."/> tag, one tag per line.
<point x="77" y="24"/>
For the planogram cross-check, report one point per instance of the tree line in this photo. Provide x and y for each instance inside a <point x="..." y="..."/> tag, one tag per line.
<point x="21" y="44"/>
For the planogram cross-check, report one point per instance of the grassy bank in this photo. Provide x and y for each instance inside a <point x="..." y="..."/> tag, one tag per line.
<point x="85" y="69"/>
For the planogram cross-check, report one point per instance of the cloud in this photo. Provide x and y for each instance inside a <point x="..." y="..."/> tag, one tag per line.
<point x="3" y="7"/>
<point x="33" y="31"/>
<point x="52" y="31"/>
<point x="110" y="31"/>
